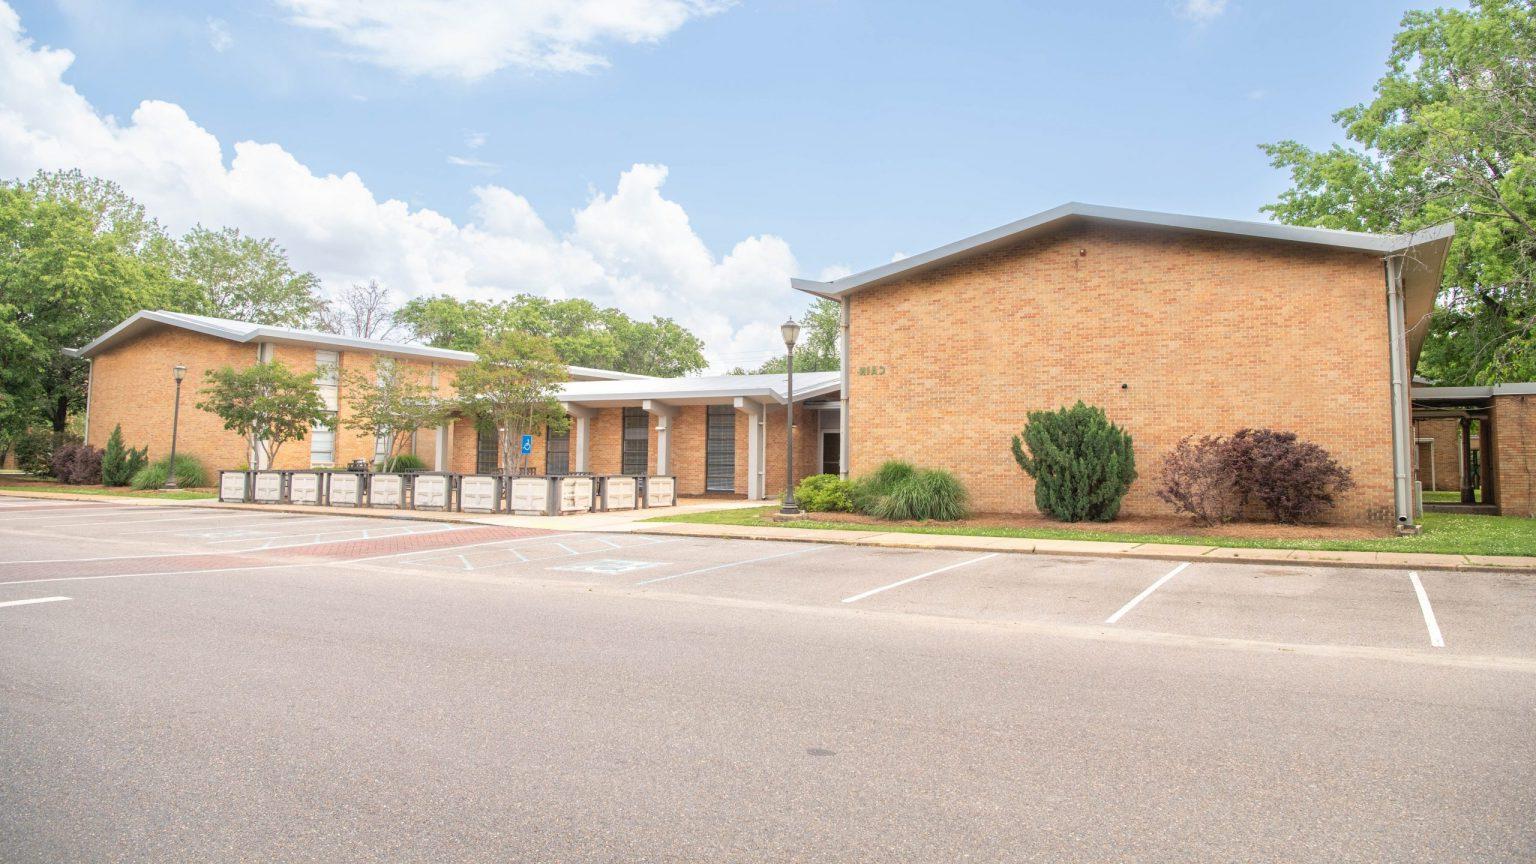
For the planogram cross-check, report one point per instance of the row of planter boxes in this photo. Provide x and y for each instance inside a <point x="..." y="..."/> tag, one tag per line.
<point x="473" y="493"/>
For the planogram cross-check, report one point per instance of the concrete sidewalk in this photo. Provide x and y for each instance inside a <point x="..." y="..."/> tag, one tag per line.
<point x="619" y="521"/>
<point x="635" y="521"/>
<point x="1101" y="549"/>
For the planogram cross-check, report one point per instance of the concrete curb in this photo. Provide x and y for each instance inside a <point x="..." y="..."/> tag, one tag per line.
<point x="1104" y="549"/>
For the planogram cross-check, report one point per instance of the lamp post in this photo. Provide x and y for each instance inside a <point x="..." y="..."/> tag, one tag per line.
<point x="170" y="472"/>
<point x="791" y="332"/>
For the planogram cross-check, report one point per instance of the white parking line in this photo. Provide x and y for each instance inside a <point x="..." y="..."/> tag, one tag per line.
<point x="1435" y="638"/>
<point x="731" y="564"/>
<point x="33" y="600"/>
<point x="1145" y="594"/>
<point x="910" y="579"/>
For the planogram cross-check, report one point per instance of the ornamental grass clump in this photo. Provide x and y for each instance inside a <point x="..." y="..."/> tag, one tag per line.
<point x="927" y="493"/>
<point x="189" y="473"/>
<point x="1082" y="463"/>
<point x="871" y="488"/>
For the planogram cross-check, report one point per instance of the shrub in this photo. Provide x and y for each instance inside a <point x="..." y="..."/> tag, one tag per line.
<point x="34" y="451"/>
<point x="924" y="494"/>
<point x="1294" y="480"/>
<point x="1199" y="479"/>
<point x="406" y="462"/>
<point x="76" y="463"/>
<point x="119" y="463"/>
<point x="189" y="473"/>
<point x="1082" y="463"/>
<point x="824" y="493"/>
<point x="869" y="489"/>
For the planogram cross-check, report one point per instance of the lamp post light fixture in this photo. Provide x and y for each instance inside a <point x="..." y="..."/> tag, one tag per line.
<point x="170" y="472"/>
<point x="790" y="330"/>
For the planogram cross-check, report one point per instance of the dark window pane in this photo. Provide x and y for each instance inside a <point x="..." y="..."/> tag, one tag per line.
<point x="636" y="454"/>
<point x="487" y="457"/>
<point x="720" y="450"/>
<point x="557" y="451"/>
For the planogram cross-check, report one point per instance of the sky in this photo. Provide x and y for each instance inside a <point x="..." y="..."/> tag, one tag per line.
<point x="682" y="158"/>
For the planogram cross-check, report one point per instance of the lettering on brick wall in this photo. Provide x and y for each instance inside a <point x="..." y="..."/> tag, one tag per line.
<point x="871" y="370"/>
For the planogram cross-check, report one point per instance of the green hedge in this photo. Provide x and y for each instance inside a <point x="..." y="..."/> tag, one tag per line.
<point x="824" y="493"/>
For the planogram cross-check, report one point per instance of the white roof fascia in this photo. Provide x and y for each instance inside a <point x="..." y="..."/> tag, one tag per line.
<point x="1518" y="388"/>
<point x="659" y="391"/>
<point x="1382" y="244"/>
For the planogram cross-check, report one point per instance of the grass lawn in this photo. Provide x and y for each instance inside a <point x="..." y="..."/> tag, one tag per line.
<point x="1451" y="533"/>
<point x="116" y="491"/>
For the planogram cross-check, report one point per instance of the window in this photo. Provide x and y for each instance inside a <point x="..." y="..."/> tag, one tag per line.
<point x="637" y="434"/>
<point x="322" y="436"/>
<point x="557" y="451"/>
<point x="487" y="457"/>
<point x="720" y="449"/>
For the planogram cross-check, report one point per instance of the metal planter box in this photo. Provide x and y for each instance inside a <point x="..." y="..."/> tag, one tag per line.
<point x="386" y="490"/>
<point x="480" y="493"/>
<point x="571" y="494"/>
<point x="618" y="492"/>
<point x="431" y="491"/>
<point x="529" y="496"/>
<point x="660" y="491"/>
<point x="234" y="486"/>
<point x="306" y="487"/>
<point x="267" y="487"/>
<point x="345" y="489"/>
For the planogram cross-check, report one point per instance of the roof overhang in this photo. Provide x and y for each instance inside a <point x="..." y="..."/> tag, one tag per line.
<point x="1459" y="394"/>
<point x="697" y="391"/>
<point x="146" y="321"/>
<point x="1075" y="213"/>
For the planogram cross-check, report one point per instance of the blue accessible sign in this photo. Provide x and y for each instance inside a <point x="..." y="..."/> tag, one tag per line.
<point x="527" y="444"/>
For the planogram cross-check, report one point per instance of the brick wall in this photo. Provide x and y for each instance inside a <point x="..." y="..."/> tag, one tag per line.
<point x="132" y="385"/>
<point x="1514" y="445"/>
<point x="1446" y="434"/>
<point x="1172" y="334"/>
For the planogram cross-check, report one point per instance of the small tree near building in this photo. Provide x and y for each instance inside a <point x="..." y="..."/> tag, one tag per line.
<point x="512" y="388"/>
<point x="391" y="406"/>
<point x="268" y="404"/>
<point x="1082" y="463"/>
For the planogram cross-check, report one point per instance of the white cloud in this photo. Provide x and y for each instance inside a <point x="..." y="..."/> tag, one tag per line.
<point x="1201" y="11"/>
<point x="219" y="37"/>
<point x="469" y="39"/>
<point x="470" y="162"/>
<point x="631" y="248"/>
<point x="475" y="140"/>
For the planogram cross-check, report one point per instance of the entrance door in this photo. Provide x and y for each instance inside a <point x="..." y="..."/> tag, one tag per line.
<point x="720" y="450"/>
<point x="831" y="452"/>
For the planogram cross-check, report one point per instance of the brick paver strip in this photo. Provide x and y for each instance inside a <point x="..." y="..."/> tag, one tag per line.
<point x="400" y="543"/>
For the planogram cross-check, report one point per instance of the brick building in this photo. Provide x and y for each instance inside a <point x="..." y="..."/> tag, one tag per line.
<point x="1175" y="325"/>
<point x="719" y="434"/>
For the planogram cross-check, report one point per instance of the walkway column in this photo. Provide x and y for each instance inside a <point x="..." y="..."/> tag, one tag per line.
<point x="756" y="440"/>
<point x="663" y="414"/>
<point x="581" y="435"/>
<point x="440" y="448"/>
<point x="1468" y="494"/>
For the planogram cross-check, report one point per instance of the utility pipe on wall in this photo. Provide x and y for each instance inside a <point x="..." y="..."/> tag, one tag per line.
<point x="842" y="399"/>
<point x="1402" y="457"/>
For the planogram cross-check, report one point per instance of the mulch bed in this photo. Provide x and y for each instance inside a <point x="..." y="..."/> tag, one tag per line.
<point x="1170" y="525"/>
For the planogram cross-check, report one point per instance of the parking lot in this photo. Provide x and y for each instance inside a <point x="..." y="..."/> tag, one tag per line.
<point x="184" y="680"/>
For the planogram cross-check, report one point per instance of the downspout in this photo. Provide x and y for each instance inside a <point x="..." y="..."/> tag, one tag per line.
<point x="90" y="387"/>
<point x="842" y="399"/>
<point x="1402" y="456"/>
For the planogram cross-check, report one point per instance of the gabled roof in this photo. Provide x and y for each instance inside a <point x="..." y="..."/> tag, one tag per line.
<point x="246" y="332"/>
<point x="1049" y="220"/>
<point x="713" y="389"/>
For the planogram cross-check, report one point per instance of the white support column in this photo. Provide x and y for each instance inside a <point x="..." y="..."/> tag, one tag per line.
<point x="755" y="452"/>
<point x="581" y="435"/>
<point x="440" y="447"/>
<point x="663" y="414"/>
<point x="843" y="348"/>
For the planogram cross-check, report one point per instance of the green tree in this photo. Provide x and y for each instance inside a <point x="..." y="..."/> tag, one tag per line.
<point x="120" y="463"/>
<point x="248" y="278"/>
<point x="1082" y="463"/>
<point x="391" y="405"/>
<point x="266" y="403"/>
<point x="580" y="332"/>
<point x="1449" y="136"/>
<point x="817" y="351"/>
<point x="512" y="388"/>
<point x="77" y="255"/>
